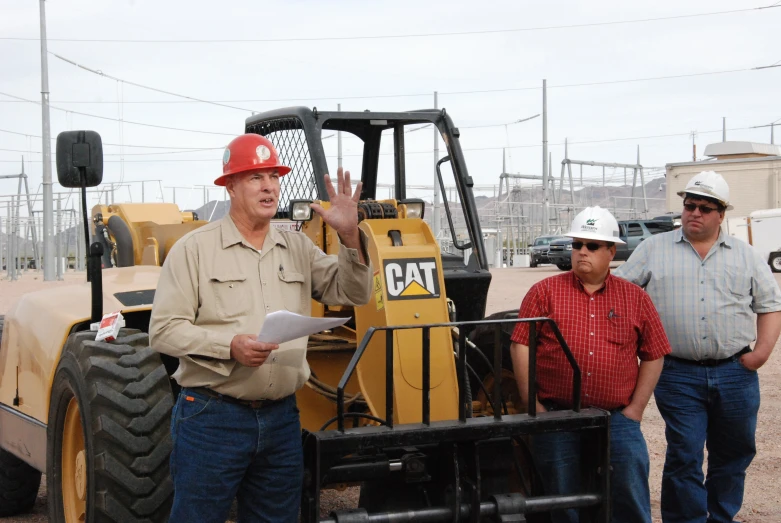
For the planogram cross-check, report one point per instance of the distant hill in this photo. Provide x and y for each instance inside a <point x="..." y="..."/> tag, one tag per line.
<point x="614" y="198"/>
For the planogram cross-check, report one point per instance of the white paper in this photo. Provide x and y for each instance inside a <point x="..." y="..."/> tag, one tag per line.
<point x="282" y="326"/>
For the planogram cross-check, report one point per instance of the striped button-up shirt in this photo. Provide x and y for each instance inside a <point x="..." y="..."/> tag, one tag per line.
<point x="707" y="305"/>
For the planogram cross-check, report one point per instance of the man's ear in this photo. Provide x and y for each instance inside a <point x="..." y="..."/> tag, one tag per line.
<point x="230" y="182"/>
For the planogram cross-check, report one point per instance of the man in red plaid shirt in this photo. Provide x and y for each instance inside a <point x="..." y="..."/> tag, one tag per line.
<point x="608" y="324"/>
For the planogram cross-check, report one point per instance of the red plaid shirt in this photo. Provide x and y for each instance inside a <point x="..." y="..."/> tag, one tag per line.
<point x="607" y="332"/>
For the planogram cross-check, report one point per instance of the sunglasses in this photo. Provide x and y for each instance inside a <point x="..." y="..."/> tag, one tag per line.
<point x="576" y="246"/>
<point x="704" y="209"/>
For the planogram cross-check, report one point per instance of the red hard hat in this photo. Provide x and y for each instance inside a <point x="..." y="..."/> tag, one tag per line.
<point x="249" y="152"/>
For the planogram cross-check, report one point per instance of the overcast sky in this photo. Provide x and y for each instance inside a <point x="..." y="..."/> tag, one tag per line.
<point x="390" y="74"/>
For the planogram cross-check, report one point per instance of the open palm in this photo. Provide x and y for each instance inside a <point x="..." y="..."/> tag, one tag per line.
<point x="342" y="215"/>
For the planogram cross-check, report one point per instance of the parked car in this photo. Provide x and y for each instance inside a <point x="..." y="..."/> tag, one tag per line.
<point x="539" y="251"/>
<point x="674" y="217"/>
<point x="630" y="231"/>
<point x="560" y="253"/>
<point x="635" y="231"/>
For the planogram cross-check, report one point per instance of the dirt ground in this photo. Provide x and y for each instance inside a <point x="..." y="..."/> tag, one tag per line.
<point x="761" y="503"/>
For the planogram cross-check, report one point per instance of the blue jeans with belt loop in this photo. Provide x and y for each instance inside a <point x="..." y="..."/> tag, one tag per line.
<point x="223" y="451"/>
<point x="714" y="407"/>
<point x="558" y="455"/>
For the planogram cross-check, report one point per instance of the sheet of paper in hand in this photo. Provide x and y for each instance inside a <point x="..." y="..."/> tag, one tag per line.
<point x="282" y="326"/>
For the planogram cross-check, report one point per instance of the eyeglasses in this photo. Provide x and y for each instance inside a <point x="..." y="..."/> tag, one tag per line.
<point x="590" y="246"/>
<point x="704" y="209"/>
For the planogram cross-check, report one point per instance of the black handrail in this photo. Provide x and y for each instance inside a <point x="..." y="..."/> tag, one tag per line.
<point x="426" y="341"/>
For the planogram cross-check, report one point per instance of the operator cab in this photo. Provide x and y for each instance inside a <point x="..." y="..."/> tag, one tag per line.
<point x="394" y="178"/>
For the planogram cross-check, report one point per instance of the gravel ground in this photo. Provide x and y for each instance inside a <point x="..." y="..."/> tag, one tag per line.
<point x="761" y="503"/>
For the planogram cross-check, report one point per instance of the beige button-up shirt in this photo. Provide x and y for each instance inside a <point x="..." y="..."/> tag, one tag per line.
<point x="215" y="285"/>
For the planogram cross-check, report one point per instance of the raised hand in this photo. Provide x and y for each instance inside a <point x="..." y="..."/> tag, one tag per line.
<point x="342" y="215"/>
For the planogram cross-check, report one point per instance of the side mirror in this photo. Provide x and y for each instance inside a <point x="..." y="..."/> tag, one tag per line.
<point x="79" y="153"/>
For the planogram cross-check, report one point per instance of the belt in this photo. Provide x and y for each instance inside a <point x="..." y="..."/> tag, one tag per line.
<point x="552" y="406"/>
<point x="711" y="362"/>
<point x="253" y="404"/>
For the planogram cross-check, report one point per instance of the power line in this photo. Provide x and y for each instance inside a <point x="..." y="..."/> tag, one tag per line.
<point x="101" y="73"/>
<point x="20" y="151"/>
<point x="608" y="82"/>
<point x="118" y="120"/>
<point x="398" y="36"/>
<point x="493" y="148"/>
<point x="413" y="95"/>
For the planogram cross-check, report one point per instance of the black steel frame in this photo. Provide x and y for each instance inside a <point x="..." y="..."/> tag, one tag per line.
<point x="332" y="456"/>
<point x="368" y="126"/>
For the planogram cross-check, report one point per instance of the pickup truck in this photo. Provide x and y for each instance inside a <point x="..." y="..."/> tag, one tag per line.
<point x="630" y="231"/>
<point x="539" y="251"/>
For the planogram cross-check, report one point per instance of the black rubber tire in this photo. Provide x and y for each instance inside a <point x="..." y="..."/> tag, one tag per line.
<point x="19" y="481"/>
<point x="775" y="262"/>
<point x="19" y="484"/>
<point x="125" y="401"/>
<point x="532" y="264"/>
<point x="563" y="267"/>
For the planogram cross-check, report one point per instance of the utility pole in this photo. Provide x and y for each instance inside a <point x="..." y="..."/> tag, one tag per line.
<point x="545" y="203"/>
<point x="437" y="223"/>
<point x="339" y="142"/>
<point x="46" y="147"/>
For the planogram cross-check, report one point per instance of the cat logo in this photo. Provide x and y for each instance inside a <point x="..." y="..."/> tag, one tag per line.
<point x="412" y="279"/>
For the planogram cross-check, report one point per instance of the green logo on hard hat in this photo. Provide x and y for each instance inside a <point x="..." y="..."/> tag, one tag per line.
<point x="591" y="221"/>
<point x="226" y="156"/>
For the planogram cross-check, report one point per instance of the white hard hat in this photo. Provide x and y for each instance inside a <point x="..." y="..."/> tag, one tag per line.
<point x="595" y="223"/>
<point x="709" y="184"/>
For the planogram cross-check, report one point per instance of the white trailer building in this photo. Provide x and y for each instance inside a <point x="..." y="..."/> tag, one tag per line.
<point x="752" y="170"/>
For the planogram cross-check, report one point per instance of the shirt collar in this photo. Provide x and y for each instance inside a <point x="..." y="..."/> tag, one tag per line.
<point x="723" y="239"/>
<point x="579" y="284"/>
<point x="232" y="236"/>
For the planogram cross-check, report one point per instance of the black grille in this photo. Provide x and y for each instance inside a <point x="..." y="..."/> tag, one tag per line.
<point x="287" y="135"/>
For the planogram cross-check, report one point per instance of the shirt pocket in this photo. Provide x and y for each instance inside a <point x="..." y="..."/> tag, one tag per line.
<point x="738" y="282"/>
<point x="231" y="295"/>
<point x="619" y="332"/>
<point x="292" y="286"/>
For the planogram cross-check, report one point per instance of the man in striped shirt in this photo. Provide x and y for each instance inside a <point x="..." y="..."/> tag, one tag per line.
<point x="707" y="287"/>
<point x="608" y="324"/>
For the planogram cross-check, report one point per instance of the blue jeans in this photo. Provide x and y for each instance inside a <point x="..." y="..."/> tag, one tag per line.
<point x="558" y="457"/>
<point x="714" y="407"/>
<point x="223" y="451"/>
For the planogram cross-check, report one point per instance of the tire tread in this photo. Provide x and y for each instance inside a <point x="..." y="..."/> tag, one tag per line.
<point x="130" y="406"/>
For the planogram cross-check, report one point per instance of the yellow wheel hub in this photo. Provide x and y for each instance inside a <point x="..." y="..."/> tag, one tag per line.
<point x="74" y="466"/>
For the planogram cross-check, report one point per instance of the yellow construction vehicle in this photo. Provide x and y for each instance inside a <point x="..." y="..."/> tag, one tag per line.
<point x="139" y="233"/>
<point x="401" y="399"/>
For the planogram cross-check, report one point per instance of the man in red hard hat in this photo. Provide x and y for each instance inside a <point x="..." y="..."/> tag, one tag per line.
<point x="235" y="425"/>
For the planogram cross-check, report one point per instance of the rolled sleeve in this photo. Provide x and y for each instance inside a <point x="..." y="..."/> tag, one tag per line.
<point x="653" y="340"/>
<point x="764" y="288"/>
